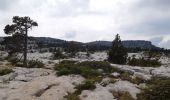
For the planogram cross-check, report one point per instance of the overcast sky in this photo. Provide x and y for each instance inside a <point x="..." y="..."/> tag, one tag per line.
<point x="90" y="20"/>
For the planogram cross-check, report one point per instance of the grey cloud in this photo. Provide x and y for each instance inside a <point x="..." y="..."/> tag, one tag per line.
<point x="150" y="26"/>
<point x="70" y="8"/>
<point x="157" y="40"/>
<point x="5" y="4"/>
<point x="166" y="44"/>
<point x="157" y="4"/>
<point x="151" y="17"/>
<point x="69" y="35"/>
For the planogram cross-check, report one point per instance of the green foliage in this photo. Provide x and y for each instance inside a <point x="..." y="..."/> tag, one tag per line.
<point x="58" y="54"/>
<point x="72" y="96"/>
<point x="157" y="90"/>
<point x="125" y="76"/>
<point x="19" y="29"/>
<point x="143" y="62"/>
<point x="68" y="62"/>
<point x="97" y="65"/>
<point x="4" y="71"/>
<point x="35" y="64"/>
<point x="86" y="85"/>
<point x="122" y="95"/>
<point x="19" y="64"/>
<point x="73" y="48"/>
<point x="87" y="69"/>
<point x="135" y="80"/>
<point x="117" y="53"/>
<point x="152" y="54"/>
<point x="66" y="69"/>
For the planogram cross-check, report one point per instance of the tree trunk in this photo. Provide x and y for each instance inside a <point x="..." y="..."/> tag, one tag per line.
<point x="25" y="47"/>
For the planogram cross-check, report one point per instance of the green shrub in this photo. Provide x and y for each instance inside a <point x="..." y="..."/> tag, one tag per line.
<point x="97" y="65"/>
<point x="125" y="76"/>
<point x="122" y="95"/>
<point x="144" y="62"/>
<point x="58" y="54"/>
<point x="135" y="80"/>
<point x="66" y="69"/>
<point x="157" y="90"/>
<point x="86" y="85"/>
<point x="35" y="64"/>
<point x="19" y="64"/>
<point x="72" y="96"/>
<point x="90" y="73"/>
<point x="68" y="62"/>
<point x="63" y="71"/>
<point x="4" y="71"/>
<point x="87" y="69"/>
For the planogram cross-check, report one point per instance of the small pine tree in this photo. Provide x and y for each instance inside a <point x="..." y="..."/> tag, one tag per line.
<point x="117" y="53"/>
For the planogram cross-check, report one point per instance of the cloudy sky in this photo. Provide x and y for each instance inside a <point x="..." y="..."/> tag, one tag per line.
<point x="90" y="20"/>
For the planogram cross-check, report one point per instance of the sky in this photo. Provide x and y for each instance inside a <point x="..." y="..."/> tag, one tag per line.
<point x="91" y="20"/>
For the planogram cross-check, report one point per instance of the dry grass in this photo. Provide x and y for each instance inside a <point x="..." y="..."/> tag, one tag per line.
<point x="122" y="95"/>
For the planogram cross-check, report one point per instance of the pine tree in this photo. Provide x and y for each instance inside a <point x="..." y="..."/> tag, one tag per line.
<point x="21" y="25"/>
<point x="117" y="53"/>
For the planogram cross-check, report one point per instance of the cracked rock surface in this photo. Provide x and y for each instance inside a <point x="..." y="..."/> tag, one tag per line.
<point x="36" y="84"/>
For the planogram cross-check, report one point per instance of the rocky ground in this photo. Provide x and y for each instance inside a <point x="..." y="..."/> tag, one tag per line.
<point x="44" y="84"/>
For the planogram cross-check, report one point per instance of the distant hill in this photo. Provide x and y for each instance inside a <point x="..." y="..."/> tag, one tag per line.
<point x="128" y="44"/>
<point x="1" y="39"/>
<point x="52" y="42"/>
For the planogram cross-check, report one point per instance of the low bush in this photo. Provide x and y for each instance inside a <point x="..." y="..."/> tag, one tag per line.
<point x="19" y="64"/>
<point x="58" y="54"/>
<point x="4" y="71"/>
<point x="156" y="90"/>
<point x="135" y="80"/>
<point x="143" y="62"/>
<point x="68" y="62"/>
<point x="86" y="85"/>
<point x="66" y="69"/>
<point x="87" y="69"/>
<point x="97" y="65"/>
<point x="122" y="95"/>
<point x="35" y="64"/>
<point x="72" y="96"/>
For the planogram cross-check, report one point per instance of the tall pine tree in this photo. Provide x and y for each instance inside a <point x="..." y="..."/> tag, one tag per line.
<point x="117" y="53"/>
<point x="20" y="26"/>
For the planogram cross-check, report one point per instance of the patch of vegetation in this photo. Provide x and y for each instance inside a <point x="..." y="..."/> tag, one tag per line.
<point x="72" y="96"/>
<point x="118" y="53"/>
<point x="88" y="84"/>
<point x="157" y="90"/>
<point x="135" y="80"/>
<point x="105" y="66"/>
<point x="68" y="62"/>
<point x="12" y="60"/>
<point x="4" y="71"/>
<point x="66" y="69"/>
<point x="143" y="62"/>
<point x="58" y="54"/>
<point x="122" y="95"/>
<point x="88" y="69"/>
<point x="35" y="64"/>
<point x="152" y="54"/>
